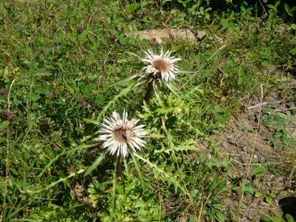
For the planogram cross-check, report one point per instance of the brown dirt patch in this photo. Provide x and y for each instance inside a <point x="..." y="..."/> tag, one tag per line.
<point x="245" y="141"/>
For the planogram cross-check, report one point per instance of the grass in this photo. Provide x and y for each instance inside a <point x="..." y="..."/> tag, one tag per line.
<point x="65" y="65"/>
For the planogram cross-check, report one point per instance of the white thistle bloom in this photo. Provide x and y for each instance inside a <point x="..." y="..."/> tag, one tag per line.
<point x="163" y="64"/>
<point x="121" y="135"/>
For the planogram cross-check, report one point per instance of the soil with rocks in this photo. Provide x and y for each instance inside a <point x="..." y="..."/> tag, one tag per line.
<point x="245" y="141"/>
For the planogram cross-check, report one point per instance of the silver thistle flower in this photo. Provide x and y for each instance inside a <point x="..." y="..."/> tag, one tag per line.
<point x="163" y="64"/>
<point x="120" y="135"/>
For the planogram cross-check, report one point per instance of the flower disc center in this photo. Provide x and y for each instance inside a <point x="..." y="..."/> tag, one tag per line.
<point x="121" y="135"/>
<point x="161" y="65"/>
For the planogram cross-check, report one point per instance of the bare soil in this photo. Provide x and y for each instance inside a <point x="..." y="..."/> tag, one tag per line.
<point x="245" y="141"/>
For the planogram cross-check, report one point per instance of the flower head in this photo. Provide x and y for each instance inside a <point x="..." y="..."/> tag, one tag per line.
<point x="119" y="135"/>
<point x="163" y="64"/>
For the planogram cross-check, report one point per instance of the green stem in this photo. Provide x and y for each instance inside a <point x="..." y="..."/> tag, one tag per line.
<point x="114" y="185"/>
<point x="7" y="153"/>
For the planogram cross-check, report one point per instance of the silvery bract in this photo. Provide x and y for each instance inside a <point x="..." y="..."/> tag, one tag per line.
<point x="163" y="64"/>
<point x="120" y="135"/>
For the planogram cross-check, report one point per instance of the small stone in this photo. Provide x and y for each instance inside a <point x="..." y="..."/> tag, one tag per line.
<point x="164" y="35"/>
<point x="200" y="34"/>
